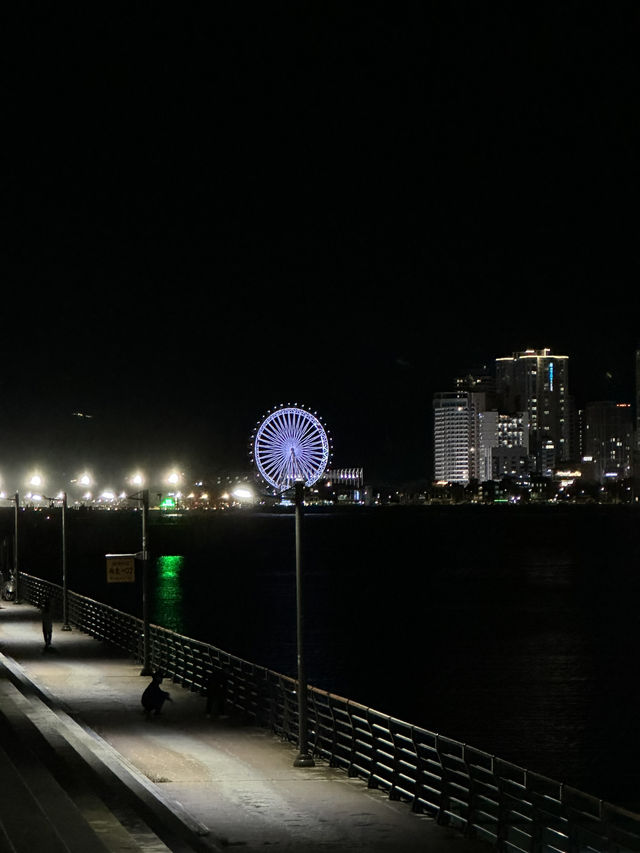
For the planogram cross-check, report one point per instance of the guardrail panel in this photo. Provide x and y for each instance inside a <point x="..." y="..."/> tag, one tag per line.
<point x="482" y="795"/>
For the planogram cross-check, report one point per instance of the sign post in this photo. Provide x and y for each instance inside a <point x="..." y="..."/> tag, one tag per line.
<point x="143" y="555"/>
<point x="121" y="569"/>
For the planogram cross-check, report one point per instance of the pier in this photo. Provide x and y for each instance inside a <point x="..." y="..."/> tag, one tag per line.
<point x="83" y="770"/>
<point x="86" y="770"/>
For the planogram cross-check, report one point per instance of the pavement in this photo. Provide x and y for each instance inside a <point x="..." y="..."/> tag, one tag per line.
<point x="83" y="770"/>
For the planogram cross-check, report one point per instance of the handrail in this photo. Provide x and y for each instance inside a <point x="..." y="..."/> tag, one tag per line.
<point x="460" y="786"/>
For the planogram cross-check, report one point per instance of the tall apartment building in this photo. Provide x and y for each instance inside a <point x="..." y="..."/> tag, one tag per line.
<point x="510" y="457"/>
<point x="488" y="428"/>
<point x="537" y="382"/>
<point x="451" y="432"/>
<point x="609" y="439"/>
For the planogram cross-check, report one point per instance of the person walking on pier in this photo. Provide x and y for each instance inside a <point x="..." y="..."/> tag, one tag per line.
<point x="216" y="694"/>
<point x="47" y="622"/>
<point x="153" y="697"/>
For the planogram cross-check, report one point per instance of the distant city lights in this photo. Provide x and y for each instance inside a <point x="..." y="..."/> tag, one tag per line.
<point x="171" y="488"/>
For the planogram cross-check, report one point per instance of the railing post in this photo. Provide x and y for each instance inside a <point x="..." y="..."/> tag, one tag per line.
<point x="444" y="805"/>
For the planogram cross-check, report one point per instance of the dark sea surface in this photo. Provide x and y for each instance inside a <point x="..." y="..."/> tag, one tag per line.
<point x="513" y="629"/>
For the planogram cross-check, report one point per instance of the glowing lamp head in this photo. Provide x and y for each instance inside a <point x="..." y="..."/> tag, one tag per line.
<point x="242" y="494"/>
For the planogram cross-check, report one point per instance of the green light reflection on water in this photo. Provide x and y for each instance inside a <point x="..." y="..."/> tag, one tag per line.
<point x="168" y="596"/>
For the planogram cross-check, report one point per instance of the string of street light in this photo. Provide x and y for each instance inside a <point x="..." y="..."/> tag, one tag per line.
<point x="171" y="489"/>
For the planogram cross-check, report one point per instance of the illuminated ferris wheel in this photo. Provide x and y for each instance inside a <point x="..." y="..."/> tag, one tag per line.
<point x="290" y="444"/>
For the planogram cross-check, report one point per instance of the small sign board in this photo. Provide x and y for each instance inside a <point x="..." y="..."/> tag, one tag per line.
<point x="120" y="568"/>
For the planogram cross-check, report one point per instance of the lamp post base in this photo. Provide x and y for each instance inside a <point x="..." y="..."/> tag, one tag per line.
<point x="304" y="760"/>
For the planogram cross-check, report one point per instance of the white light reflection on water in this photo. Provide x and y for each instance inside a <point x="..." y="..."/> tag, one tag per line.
<point x="168" y="599"/>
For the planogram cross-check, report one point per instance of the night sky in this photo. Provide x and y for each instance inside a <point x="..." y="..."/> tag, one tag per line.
<point x="210" y="209"/>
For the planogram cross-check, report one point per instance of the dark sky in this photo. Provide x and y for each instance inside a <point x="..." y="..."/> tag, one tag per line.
<point x="209" y="209"/>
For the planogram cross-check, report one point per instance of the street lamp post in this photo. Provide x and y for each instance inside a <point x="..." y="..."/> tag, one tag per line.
<point x="146" y="657"/>
<point x="16" y="573"/>
<point x="303" y="758"/>
<point x="143" y="497"/>
<point x="65" y="597"/>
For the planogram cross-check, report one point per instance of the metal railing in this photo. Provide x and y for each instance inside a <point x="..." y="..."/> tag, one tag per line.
<point x="465" y="788"/>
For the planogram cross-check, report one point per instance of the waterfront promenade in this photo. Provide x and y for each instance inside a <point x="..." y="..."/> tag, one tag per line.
<point x="83" y="770"/>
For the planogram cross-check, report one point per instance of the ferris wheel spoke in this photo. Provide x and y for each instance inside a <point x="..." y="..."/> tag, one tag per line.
<point x="280" y="476"/>
<point x="270" y="461"/>
<point x="274" y="437"/>
<point x="293" y="429"/>
<point x="310" y="442"/>
<point x="308" y="426"/>
<point x="305" y="428"/>
<point x="269" y="453"/>
<point x="271" y="432"/>
<point x="307" y="440"/>
<point x="305" y="469"/>
<point x="277" y="465"/>
<point x="272" y="444"/>
<point x="315" y="458"/>
<point x="300" y="428"/>
<point x="301" y="424"/>
<point x="285" y="420"/>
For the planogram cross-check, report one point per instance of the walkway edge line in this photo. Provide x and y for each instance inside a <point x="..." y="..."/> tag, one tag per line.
<point x="94" y="748"/>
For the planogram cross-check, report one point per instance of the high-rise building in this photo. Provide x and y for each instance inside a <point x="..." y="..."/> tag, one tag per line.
<point x="609" y="439"/>
<point x="502" y="445"/>
<point x="537" y="382"/>
<point x="451" y="431"/>
<point x="487" y="442"/>
<point x="478" y="401"/>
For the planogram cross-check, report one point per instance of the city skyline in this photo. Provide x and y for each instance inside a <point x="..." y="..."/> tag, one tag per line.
<point x="519" y="421"/>
<point x="77" y="442"/>
<point x="206" y="216"/>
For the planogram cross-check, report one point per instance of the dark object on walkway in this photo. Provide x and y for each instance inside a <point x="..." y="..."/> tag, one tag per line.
<point x="216" y="694"/>
<point x="153" y="697"/>
<point x="47" y="622"/>
<point x="9" y="588"/>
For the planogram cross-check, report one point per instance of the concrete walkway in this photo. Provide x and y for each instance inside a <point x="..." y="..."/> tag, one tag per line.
<point x="83" y="770"/>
